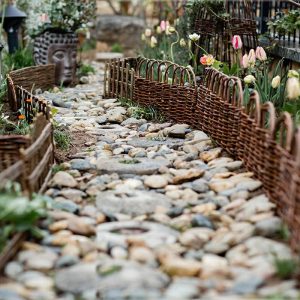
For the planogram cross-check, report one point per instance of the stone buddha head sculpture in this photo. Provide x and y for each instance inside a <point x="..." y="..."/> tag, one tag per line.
<point x="59" y="49"/>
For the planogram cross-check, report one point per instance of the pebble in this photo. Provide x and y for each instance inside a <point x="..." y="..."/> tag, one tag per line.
<point x="201" y="221"/>
<point x="64" y="179"/>
<point x="156" y="181"/>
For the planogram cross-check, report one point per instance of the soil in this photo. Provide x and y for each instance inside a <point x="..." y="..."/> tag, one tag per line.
<point x="80" y="142"/>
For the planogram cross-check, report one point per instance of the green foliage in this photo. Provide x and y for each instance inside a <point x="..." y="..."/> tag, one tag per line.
<point x="116" y="47"/>
<point x="85" y="70"/>
<point x="3" y="91"/>
<point x="19" y="214"/>
<point x="264" y="87"/>
<point x="285" y="268"/>
<point x="67" y="15"/>
<point x="284" y="233"/>
<point x="293" y="107"/>
<point x="57" y="168"/>
<point x="22" y="58"/>
<point x="288" y="23"/>
<point x="89" y="44"/>
<point x="139" y="112"/>
<point x="215" y="7"/>
<point x="62" y="137"/>
<point x="129" y="161"/>
<point x="7" y="127"/>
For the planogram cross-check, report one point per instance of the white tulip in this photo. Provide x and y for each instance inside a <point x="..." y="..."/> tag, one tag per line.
<point x="276" y="82"/>
<point x="249" y="79"/>
<point x="293" y="88"/>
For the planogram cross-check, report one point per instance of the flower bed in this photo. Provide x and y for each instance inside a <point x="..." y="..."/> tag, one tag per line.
<point x="270" y="149"/>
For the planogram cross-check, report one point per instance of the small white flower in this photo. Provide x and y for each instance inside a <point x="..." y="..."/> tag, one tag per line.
<point x="194" y="37"/>
<point x="249" y="79"/>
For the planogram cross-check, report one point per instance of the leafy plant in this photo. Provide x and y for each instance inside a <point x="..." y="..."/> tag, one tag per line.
<point x="285" y="268"/>
<point x="20" y="214"/>
<point x="139" y="112"/>
<point x="22" y="58"/>
<point x="129" y="161"/>
<point x="264" y="76"/>
<point x="67" y="15"/>
<point x="57" y="168"/>
<point x="117" y="48"/>
<point x="285" y="23"/>
<point x="85" y="70"/>
<point x="62" y="137"/>
<point x="89" y="44"/>
<point x="3" y="91"/>
<point x="8" y="127"/>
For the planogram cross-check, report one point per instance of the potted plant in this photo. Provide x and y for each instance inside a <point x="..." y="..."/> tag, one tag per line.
<point x="54" y="25"/>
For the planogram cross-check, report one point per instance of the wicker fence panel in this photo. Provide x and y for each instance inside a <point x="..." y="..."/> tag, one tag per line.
<point x="30" y="79"/>
<point x="119" y="78"/>
<point x="260" y="140"/>
<point x="28" y="160"/>
<point x="30" y="105"/>
<point x="39" y="158"/>
<point x="10" y="149"/>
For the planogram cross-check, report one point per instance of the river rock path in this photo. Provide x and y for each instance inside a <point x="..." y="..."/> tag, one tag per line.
<point x="148" y="210"/>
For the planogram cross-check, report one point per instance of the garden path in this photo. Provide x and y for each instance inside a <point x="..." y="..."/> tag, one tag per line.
<point x="148" y="210"/>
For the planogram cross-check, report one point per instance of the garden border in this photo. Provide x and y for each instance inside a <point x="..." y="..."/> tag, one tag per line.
<point x="217" y="109"/>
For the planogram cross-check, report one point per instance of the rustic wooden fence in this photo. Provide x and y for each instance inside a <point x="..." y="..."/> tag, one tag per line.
<point x="268" y="146"/>
<point x="28" y="159"/>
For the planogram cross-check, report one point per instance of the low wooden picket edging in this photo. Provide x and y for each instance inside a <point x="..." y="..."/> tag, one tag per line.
<point x="269" y="149"/>
<point x="30" y="79"/>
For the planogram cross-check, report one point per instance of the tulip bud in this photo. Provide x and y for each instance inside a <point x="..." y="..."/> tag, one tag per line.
<point x="237" y="42"/>
<point x="153" y="42"/>
<point x="194" y="37"/>
<point x="171" y="29"/>
<point x="249" y="79"/>
<point x="276" y="82"/>
<point x="158" y="30"/>
<point x="293" y="88"/>
<point x="293" y="73"/>
<point x="261" y="54"/>
<point x="148" y="32"/>
<point x="252" y="57"/>
<point x="164" y="25"/>
<point x="182" y="43"/>
<point x="245" y="61"/>
<point x="143" y="37"/>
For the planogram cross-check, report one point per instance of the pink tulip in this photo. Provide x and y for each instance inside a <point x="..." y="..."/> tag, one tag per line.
<point x="237" y="42"/>
<point x="261" y="54"/>
<point x="245" y="61"/>
<point x="252" y="57"/>
<point x="164" y="25"/>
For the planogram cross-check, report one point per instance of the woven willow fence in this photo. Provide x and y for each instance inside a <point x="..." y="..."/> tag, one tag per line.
<point x="268" y="146"/>
<point x="28" y="159"/>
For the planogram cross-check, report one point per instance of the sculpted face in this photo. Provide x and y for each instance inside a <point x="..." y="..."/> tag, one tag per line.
<point x="64" y="57"/>
<point x="59" y="49"/>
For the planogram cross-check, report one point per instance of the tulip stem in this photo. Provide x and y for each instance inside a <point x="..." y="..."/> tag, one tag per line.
<point x="173" y="44"/>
